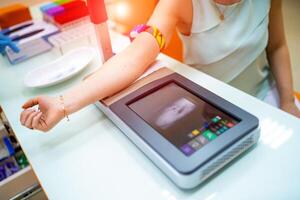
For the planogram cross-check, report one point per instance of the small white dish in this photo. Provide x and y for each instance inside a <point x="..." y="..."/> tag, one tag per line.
<point x="61" y="69"/>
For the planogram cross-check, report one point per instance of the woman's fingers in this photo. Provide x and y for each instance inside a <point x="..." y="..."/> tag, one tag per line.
<point x="28" y="122"/>
<point x="36" y="121"/>
<point x="30" y="103"/>
<point x="24" y="115"/>
<point x="43" y="124"/>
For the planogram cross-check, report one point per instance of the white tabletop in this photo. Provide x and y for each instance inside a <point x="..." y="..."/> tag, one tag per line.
<point x="90" y="158"/>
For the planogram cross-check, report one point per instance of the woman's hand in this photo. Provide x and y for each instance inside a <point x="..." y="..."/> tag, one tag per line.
<point x="50" y="112"/>
<point x="291" y="108"/>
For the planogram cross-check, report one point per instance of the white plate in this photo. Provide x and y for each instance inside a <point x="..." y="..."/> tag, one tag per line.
<point x="61" y="69"/>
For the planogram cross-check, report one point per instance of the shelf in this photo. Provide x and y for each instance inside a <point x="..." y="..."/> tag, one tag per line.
<point x="17" y="183"/>
<point x="20" y="181"/>
<point x="16" y="175"/>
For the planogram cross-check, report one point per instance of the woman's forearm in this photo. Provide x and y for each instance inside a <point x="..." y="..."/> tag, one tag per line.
<point x="280" y="64"/>
<point x="278" y="54"/>
<point x="116" y="74"/>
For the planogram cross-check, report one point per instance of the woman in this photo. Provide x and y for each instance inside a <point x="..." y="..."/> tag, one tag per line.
<point x="228" y="39"/>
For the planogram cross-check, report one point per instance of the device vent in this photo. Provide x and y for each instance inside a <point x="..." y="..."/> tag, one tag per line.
<point x="219" y="163"/>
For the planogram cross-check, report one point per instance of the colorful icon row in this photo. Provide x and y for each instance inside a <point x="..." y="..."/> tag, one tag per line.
<point x="217" y="128"/>
<point x="198" y="142"/>
<point x="208" y="132"/>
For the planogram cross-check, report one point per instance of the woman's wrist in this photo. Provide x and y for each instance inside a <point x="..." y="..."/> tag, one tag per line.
<point x="286" y="95"/>
<point x="285" y="100"/>
<point x="72" y="101"/>
<point x="59" y="108"/>
<point x="64" y="107"/>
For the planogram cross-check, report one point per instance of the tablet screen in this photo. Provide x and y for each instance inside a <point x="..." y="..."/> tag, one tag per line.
<point x="182" y="118"/>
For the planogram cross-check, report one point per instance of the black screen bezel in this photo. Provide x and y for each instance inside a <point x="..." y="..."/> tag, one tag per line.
<point x="169" y="152"/>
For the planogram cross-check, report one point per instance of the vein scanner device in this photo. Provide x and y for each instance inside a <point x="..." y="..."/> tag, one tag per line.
<point x="187" y="131"/>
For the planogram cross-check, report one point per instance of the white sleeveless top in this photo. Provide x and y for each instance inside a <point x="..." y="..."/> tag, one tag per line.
<point x="224" y="49"/>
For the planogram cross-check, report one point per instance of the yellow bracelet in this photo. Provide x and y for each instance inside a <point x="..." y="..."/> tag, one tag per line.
<point x="61" y="98"/>
<point x="153" y="30"/>
<point x="161" y="41"/>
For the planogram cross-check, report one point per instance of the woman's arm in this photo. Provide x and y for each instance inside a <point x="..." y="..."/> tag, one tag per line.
<point x="124" y="68"/>
<point x="116" y="74"/>
<point x="279" y="59"/>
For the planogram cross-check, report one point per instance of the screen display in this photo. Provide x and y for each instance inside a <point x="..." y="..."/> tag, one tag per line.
<point x="182" y="118"/>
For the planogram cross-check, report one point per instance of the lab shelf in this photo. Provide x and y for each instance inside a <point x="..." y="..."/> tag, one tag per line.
<point x="23" y="182"/>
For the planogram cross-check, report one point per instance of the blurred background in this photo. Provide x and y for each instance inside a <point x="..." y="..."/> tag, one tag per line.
<point x="128" y="13"/>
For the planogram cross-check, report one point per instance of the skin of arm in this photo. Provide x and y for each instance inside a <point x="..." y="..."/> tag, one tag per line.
<point x="116" y="74"/>
<point x="279" y="59"/>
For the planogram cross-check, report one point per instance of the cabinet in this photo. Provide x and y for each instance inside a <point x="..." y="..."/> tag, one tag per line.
<point x="17" y="179"/>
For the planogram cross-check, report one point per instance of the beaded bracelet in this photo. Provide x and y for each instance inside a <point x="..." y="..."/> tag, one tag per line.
<point x="153" y="30"/>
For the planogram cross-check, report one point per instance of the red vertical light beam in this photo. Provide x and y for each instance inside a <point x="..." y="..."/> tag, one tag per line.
<point x="98" y="17"/>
